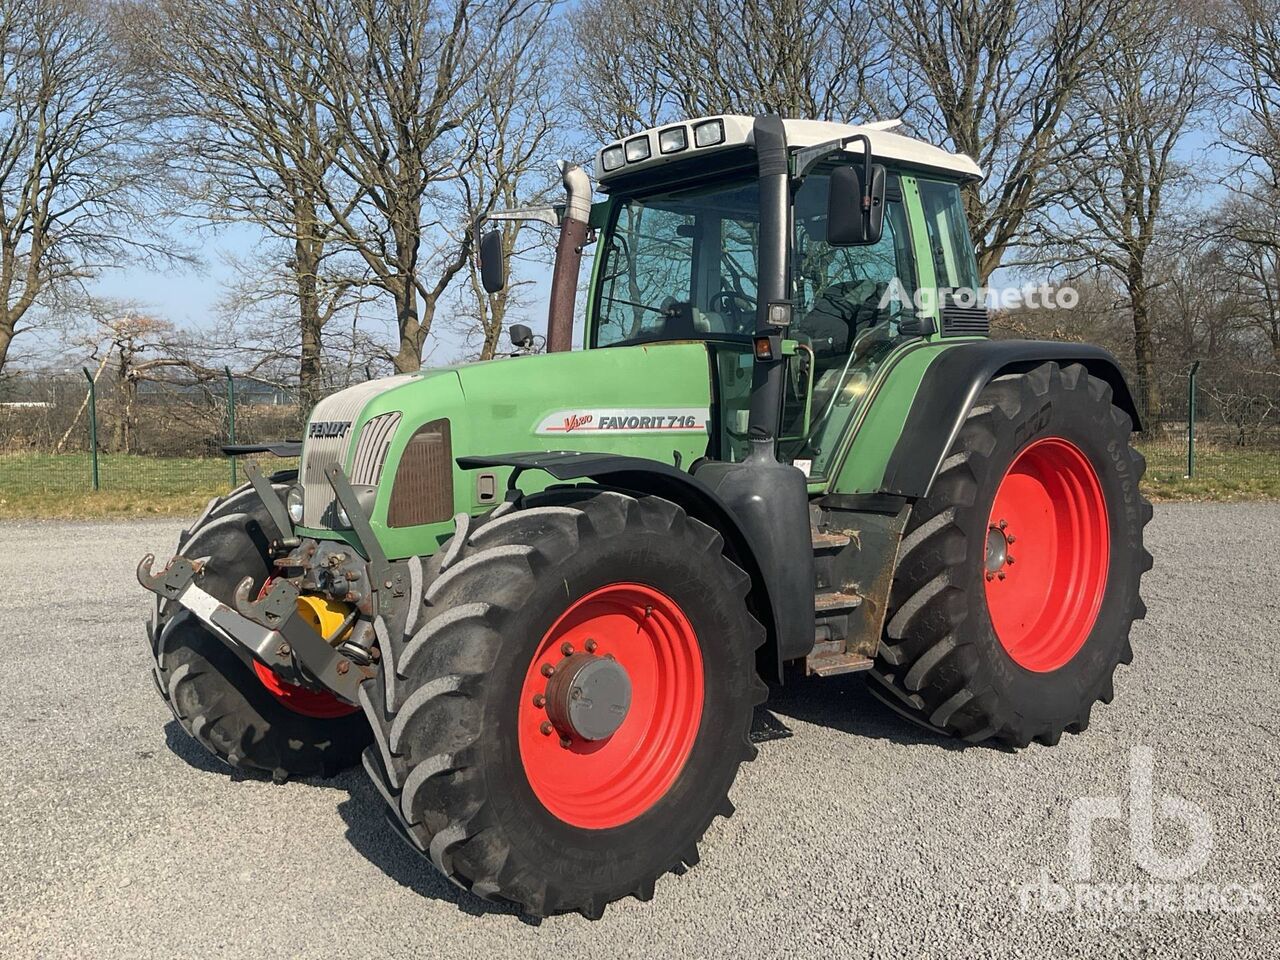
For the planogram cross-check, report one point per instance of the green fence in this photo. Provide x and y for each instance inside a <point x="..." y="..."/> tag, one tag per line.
<point x="1217" y="433"/>
<point x="68" y="434"/>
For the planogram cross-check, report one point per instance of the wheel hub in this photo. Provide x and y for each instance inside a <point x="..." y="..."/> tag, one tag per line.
<point x="588" y="696"/>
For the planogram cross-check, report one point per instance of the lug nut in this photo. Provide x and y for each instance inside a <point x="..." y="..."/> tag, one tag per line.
<point x="565" y="742"/>
<point x="590" y="646"/>
<point x="1010" y="538"/>
<point x="1009" y="559"/>
<point x="539" y="700"/>
<point x="545" y="728"/>
<point x="548" y="669"/>
<point x="990" y="575"/>
<point x="1003" y="524"/>
<point x="566" y="648"/>
<point x="1000" y="574"/>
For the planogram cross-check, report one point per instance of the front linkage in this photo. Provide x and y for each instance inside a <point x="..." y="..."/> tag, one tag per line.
<point x="271" y="629"/>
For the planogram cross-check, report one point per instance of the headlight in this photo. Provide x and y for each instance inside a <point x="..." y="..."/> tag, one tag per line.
<point x="613" y="157"/>
<point x="638" y="149"/>
<point x="708" y="134"/>
<point x="293" y="504"/>
<point x="672" y="140"/>
<point x="344" y="521"/>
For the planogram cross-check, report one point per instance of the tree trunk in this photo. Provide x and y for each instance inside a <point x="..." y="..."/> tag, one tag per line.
<point x="1148" y="398"/>
<point x="493" y="325"/>
<point x="413" y="333"/>
<point x="6" y="337"/>
<point x="307" y="270"/>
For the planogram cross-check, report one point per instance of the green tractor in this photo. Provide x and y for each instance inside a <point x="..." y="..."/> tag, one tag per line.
<point x="541" y="597"/>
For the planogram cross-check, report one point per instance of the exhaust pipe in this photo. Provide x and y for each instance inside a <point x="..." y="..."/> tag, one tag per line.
<point x="772" y="284"/>
<point x="573" y="237"/>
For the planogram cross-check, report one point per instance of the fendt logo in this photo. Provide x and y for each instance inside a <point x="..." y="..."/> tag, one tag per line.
<point x="328" y="429"/>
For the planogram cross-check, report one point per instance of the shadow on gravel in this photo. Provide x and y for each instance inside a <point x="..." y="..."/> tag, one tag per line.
<point x="374" y="838"/>
<point x="185" y="748"/>
<point x="843" y="704"/>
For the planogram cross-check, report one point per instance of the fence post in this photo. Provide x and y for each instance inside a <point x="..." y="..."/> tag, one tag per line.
<point x="1191" y="419"/>
<point x="93" y="424"/>
<point x="231" y="422"/>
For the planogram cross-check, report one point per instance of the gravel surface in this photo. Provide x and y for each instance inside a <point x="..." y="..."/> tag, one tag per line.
<point x="858" y="834"/>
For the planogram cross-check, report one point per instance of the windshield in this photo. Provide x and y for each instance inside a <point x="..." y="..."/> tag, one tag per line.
<point x="681" y="265"/>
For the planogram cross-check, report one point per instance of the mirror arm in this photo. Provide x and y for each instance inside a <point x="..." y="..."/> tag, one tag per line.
<point x="550" y="214"/>
<point x="805" y="158"/>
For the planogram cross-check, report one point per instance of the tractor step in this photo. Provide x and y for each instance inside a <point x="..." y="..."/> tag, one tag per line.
<point x="828" y="602"/>
<point x="834" y="664"/>
<point x="829" y="541"/>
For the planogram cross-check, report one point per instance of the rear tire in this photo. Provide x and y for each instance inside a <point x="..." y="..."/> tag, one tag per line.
<point x="979" y="647"/>
<point x="473" y="782"/>
<point x="213" y="695"/>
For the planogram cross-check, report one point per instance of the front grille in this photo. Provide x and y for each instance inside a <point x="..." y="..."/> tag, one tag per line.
<point x="331" y="446"/>
<point x="371" y="450"/>
<point x="423" y="490"/>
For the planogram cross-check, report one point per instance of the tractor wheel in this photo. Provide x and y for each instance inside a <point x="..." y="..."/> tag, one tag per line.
<point x="248" y="718"/>
<point x="1017" y="579"/>
<point x="564" y="718"/>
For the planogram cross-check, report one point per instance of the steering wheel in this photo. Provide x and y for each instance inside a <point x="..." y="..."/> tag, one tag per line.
<point x="737" y="306"/>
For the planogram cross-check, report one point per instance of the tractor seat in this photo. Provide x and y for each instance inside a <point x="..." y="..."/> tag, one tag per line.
<point x="843" y="310"/>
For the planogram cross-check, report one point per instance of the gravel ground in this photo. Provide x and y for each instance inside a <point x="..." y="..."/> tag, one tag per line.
<point x="858" y="834"/>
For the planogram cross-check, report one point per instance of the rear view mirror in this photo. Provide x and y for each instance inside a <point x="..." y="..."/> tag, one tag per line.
<point x="855" y="215"/>
<point x="493" y="265"/>
<point x="521" y="336"/>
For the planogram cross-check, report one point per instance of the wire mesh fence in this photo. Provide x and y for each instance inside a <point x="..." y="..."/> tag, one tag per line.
<point x="67" y="434"/>
<point x="1216" y="432"/>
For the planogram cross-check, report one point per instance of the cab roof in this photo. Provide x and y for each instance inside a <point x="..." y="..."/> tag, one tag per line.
<point x="671" y="143"/>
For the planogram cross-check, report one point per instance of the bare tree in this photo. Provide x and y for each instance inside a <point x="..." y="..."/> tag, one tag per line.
<point x="74" y="183"/>
<point x="402" y="88"/>
<point x="236" y="79"/>
<point x="518" y="132"/>
<point x="1249" y="31"/>
<point x="1127" y="123"/>
<point x="650" y="61"/>
<point x="993" y="79"/>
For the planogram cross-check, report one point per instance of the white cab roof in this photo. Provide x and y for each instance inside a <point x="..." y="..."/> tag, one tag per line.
<point x="737" y="130"/>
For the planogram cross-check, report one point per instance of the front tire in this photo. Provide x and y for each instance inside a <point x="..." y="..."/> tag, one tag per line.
<point x="249" y="720"/>
<point x="1018" y="575"/>
<point x="481" y="769"/>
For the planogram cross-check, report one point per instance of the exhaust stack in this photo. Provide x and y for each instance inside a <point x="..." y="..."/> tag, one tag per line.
<point x="564" y="278"/>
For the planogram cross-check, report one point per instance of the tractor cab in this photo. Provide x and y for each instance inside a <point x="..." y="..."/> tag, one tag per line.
<point x="678" y="251"/>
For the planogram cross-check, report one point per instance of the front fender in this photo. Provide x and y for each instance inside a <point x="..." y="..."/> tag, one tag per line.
<point x="772" y="593"/>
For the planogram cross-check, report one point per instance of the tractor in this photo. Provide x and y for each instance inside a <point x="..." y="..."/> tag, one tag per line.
<point x="541" y="597"/>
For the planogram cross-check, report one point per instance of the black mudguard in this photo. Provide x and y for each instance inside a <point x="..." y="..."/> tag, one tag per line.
<point x="951" y="385"/>
<point x="776" y="585"/>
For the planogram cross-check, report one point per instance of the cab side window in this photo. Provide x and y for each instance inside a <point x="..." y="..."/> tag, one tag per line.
<point x="954" y="264"/>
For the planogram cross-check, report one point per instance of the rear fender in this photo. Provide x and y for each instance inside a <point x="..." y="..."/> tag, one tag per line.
<point x="951" y="386"/>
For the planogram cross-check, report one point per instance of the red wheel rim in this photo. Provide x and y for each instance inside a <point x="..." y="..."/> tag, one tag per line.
<point x="318" y="704"/>
<point x="597" y="784"/>
<point x="1047" y="554"/>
